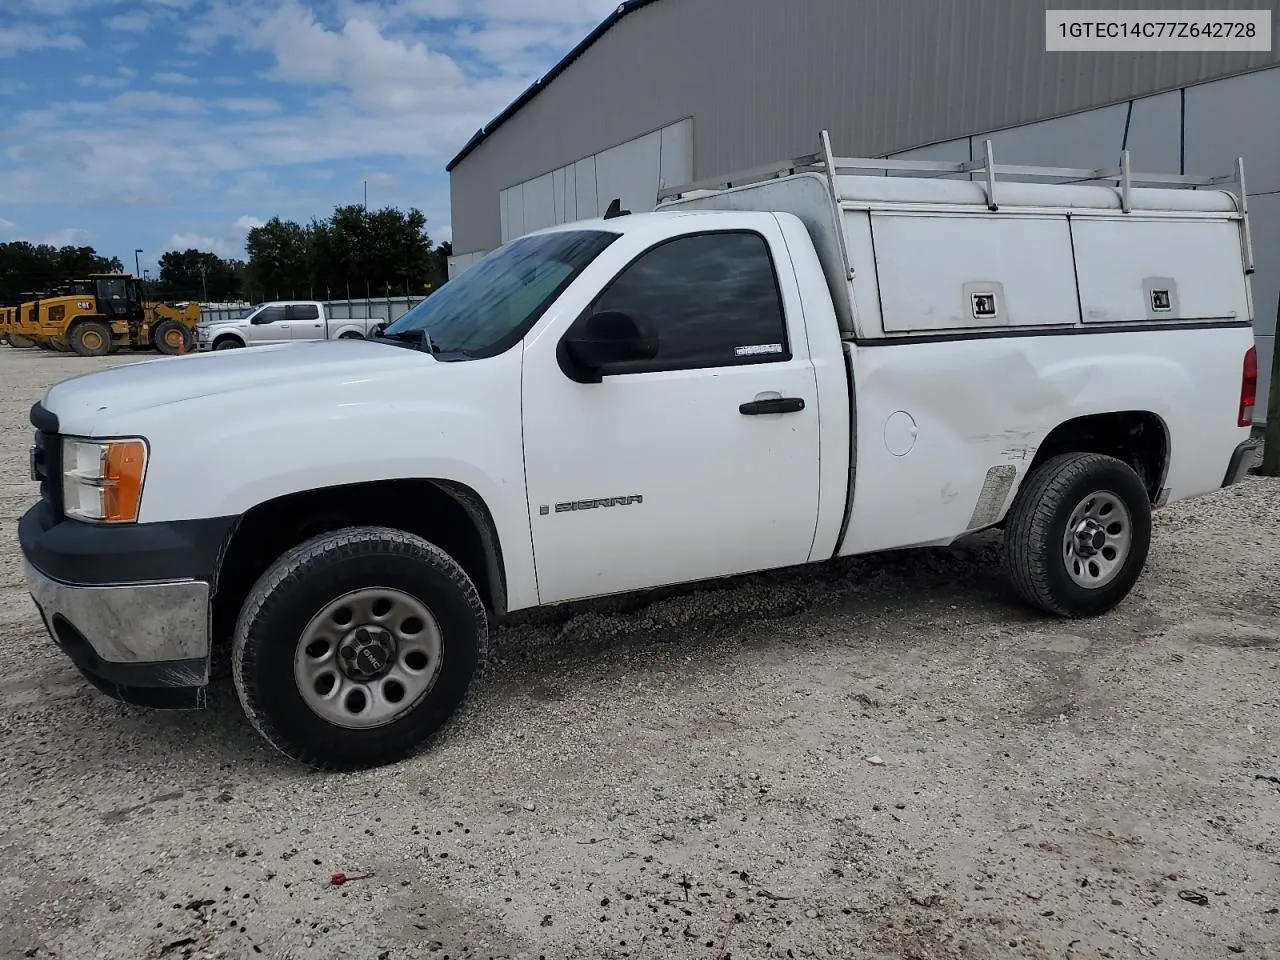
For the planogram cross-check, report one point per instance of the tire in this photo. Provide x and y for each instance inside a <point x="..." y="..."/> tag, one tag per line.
<point x="91" y="338"/>
<point x="170" y="337"/>
<point x="20" y="342"/>
<point x="1108" y="497"/>
<point x="350" y="335"/>
<point x="298" y="606"/>
<point x="227" y="343"/>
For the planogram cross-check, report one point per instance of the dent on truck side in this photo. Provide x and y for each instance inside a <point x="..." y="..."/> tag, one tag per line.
<point x="982" y="407"/>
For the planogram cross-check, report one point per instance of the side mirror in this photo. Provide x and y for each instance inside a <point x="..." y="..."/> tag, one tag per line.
<point x="607" y="338"/>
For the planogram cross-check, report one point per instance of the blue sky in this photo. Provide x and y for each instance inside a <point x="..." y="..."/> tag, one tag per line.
<point x="164" y="124"/>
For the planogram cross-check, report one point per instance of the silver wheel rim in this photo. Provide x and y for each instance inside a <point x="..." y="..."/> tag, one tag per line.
<point x="368" y="658"/>
<point x="1098" y="539"/>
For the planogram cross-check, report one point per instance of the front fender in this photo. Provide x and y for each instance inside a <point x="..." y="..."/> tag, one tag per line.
<point x="221" y="455"/>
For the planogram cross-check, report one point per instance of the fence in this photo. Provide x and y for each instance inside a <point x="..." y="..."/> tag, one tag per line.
<point x="385" y="309"/>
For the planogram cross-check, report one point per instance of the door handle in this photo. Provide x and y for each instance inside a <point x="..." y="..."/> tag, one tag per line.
<point x="776" y="405"/>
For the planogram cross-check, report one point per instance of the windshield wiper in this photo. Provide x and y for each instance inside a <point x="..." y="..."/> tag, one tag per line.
<point x="421" y="337"/>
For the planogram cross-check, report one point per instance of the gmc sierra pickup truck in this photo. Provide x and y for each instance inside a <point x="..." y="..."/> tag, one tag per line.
<point x="815" y="362"/>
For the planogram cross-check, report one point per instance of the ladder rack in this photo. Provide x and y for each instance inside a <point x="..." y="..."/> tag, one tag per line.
<point x="827" y="163"/>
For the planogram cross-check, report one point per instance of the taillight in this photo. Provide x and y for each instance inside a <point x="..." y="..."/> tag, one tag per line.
<point x="1248" y="388"/>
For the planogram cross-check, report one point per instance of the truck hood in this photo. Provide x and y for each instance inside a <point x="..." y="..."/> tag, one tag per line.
<point x="80" y="401"/>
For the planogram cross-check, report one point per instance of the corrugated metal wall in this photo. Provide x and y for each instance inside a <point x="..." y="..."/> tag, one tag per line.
<point x="761" y="77"/>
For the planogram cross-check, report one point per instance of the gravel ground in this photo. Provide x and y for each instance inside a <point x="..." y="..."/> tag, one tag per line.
<point x="688" y="775"/>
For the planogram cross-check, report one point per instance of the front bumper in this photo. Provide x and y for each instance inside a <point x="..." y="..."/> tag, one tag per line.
<point x="1242" y="461"/>
<point x="141" y="643"/>
<point x="128" y="605"/>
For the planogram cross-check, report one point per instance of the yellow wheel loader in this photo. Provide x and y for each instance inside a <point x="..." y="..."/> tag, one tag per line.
<point x="104" y="313"/>
<point x="8" y="326"/>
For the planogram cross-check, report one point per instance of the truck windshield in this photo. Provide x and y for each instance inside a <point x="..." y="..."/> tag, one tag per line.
<point x="487" y="309"/>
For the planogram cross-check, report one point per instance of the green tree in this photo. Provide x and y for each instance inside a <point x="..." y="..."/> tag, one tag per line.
<point x="352" y="252"/>
<point x="28" y="267"/>
<point x="198" y="274"/>
<point x="440" y="264"/>
<point x="279" y="260"/>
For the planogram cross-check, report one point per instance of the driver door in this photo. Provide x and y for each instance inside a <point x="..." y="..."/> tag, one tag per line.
<point x="269" y="325"/>
<point x="701" y="462"/>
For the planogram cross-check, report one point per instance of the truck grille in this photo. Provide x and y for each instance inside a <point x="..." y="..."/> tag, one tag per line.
<point x="46" y="468"/>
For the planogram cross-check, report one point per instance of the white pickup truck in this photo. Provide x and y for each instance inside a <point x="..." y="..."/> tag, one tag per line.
<point x="807" y="366"/>
<point x="281" y="321"/>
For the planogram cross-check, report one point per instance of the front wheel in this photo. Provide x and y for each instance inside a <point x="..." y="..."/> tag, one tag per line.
<point x="171" y="337"/>
<point x="357" y="646"/>
<point x="1078" y="534"/>
<point x="227" y="343"/>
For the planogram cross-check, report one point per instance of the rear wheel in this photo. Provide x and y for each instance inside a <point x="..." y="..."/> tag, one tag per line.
<point x="350" y="335"/>
<point x="1078" y="534"/>
<point x="91" y="338"/>
<point x="171" y="337"/>
<point x="357" y="646"/>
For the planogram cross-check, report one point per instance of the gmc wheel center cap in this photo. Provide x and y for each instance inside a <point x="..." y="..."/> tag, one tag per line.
<point x="367" y="652"/>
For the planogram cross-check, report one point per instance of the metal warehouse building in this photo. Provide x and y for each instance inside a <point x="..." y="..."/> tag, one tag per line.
<point x="668" y="91"/>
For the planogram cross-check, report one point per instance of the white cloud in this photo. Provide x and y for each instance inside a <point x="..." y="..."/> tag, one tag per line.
<point x="385" y="75"/>
<point x="136" y="22"/>
<point x="8" y="228"/>
<point x="249" y="104"/>
<point x="229" y="246"/>
<point x="60" y="8"/>
<point x="25" y="38"/>
<point x="68" y="236"/>
<point x="173" y="78"/>
<point x="102" y="83"/>
<point x="223" y="247"/>
<point x="153" y="101"/>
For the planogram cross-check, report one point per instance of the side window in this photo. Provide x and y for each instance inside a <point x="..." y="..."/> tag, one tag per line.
<point x="712" y="298"/>
<point x="270" y="315"/>
<point x="303" y="311"/>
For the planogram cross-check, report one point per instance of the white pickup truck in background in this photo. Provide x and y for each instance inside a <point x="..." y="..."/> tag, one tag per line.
<point x="281" y="321"/>
<point x="808" y="365"/>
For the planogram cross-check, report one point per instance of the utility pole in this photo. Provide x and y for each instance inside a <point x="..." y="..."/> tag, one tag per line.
<point x="366" y="195"/>
<point x="204" y="283"/>
<point x="1271" y="432"/>
<point x="137" y="266"/>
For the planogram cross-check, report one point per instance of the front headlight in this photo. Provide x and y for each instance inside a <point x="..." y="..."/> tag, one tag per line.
<point x="102" y="479"/>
